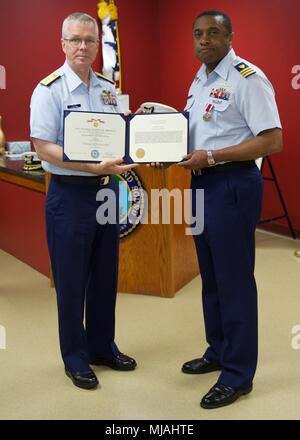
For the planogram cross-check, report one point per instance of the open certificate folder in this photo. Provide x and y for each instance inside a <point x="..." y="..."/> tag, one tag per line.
<point x="141" y="138"/>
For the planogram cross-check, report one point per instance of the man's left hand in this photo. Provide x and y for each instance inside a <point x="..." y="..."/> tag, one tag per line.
<point x="194" y="161"/>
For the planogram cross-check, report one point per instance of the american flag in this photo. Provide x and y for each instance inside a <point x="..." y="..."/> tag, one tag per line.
<point x="108" y="14"/>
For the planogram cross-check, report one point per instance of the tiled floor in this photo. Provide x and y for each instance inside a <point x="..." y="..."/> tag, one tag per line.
<point x="161" y="334"/>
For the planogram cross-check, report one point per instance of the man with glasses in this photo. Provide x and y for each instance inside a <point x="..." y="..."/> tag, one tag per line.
<point x="83" y="253"/>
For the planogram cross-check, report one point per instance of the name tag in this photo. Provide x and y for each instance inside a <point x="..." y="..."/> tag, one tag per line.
<point x="74" y="106"/>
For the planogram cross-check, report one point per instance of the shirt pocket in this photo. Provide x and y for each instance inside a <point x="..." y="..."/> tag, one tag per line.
<point x="223" y="111"/>
<point x="222" y="107"/>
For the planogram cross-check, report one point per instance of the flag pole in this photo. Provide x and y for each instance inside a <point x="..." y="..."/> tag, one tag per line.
<point x="118" y="51"/>
<point x="108" y="14"/>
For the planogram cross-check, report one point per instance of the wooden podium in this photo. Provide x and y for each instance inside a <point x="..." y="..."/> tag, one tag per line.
<point x="158" y="259"/>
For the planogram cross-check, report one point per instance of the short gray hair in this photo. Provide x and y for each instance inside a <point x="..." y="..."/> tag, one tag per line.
<point x="79" y="17"/>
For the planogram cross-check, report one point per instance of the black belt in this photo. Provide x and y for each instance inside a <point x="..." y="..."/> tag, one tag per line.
<point x="223" y="167"/>
<point x="82" y="180"/>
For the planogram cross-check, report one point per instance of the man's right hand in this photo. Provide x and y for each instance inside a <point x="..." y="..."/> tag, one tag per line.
<point x="110" y="167"/>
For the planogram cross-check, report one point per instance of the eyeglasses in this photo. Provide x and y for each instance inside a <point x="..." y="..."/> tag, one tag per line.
<point x="77" y="42"/>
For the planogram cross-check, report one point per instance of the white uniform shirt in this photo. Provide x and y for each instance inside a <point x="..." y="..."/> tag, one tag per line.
<point x="243" y="106"/>
<point x="67" y="93"/>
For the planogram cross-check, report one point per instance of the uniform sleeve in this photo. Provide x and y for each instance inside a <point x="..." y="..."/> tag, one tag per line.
<point x="256" y="102"/>
<point x="44" y="115"/>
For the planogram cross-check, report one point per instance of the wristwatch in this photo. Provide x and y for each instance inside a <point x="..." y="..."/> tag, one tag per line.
<point x="210" y="158"/>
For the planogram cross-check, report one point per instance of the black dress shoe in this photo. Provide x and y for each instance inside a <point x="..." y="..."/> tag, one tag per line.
<point x="120" y="362"/>
<point x="222" y="395"/>
<point x="83" y="379"/>
<point x="200" y="366"/>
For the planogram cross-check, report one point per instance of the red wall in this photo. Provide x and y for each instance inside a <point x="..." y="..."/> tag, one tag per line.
<point x="30" y="34"/>
<point x="158" y="61"/>
<point x="267" y="34"/>
<point x="22" y="225"/>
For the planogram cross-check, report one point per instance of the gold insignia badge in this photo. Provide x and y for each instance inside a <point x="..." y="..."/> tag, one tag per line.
<point x="100" y="76"/>
<point x="50" y="79"/>
<point x="245" y="70"/>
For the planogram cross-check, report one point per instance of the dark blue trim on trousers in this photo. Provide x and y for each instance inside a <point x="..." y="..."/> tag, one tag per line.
<point x="84" y="260"/>
<point x="226" y="255"/>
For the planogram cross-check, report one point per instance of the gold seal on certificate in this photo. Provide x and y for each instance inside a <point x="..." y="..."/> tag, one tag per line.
<point x="140" y="153"/>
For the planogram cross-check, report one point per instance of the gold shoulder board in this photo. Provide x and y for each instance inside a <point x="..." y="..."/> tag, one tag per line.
<point x="50" y="79"/>
<point x="245" y="70"/>
<point x="104" y="77"/>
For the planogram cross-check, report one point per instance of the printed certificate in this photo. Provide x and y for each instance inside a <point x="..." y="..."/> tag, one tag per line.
<point x="139" y="138"/>
<point x="158" y="137"/>
<point x="94" y="137"/>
